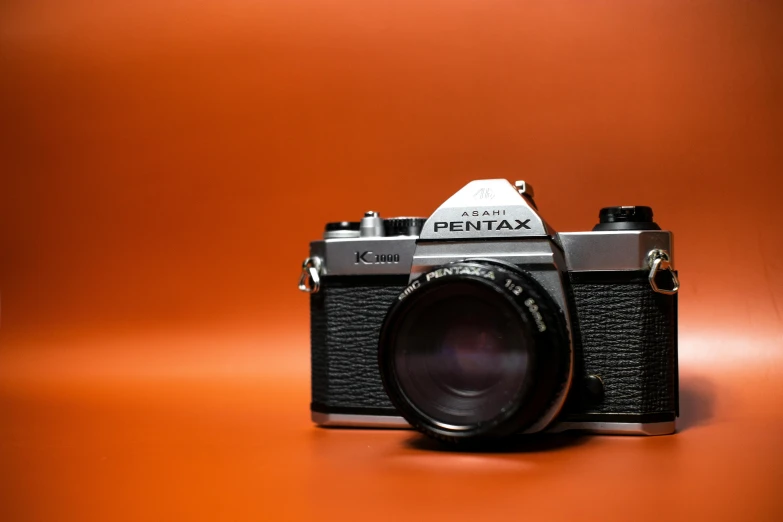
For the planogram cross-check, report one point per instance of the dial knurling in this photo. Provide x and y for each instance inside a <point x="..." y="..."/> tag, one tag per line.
<point x="403" y="226"/>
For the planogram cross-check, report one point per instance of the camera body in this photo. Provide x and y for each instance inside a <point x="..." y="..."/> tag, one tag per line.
<point x="578" y="328"/>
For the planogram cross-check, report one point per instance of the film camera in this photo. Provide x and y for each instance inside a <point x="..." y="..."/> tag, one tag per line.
<point x="481" y="321"/>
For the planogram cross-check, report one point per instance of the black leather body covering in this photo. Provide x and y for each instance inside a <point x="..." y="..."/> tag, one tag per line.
<point x="626" y="334"/>
<point x="623" y="332"/>
<point x="345" y="321"/>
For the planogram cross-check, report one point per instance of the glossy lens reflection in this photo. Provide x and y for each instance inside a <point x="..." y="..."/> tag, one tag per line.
<point x="461" y="354"/>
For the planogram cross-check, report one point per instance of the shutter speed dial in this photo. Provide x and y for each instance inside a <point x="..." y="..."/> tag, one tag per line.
<point x="403" y="226"/>
<point x="373" y="225"/>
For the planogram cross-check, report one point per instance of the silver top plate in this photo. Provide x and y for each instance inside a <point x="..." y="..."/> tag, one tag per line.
<point x="613" y="250"/>
<point x="584" y="251"/>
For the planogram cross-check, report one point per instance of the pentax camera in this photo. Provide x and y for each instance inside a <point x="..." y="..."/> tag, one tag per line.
<point x="481" y="321"/>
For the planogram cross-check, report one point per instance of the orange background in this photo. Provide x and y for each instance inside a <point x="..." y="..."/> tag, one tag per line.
<point x="165" y="164"/>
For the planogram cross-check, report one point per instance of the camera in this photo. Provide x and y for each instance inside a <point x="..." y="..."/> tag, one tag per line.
<point x="482" y="321"/>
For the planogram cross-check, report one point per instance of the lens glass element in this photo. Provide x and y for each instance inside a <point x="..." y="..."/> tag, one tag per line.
<point x="462" y="354"/>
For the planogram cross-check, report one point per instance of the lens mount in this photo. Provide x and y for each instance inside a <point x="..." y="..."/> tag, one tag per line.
<point x="475" y="349"/>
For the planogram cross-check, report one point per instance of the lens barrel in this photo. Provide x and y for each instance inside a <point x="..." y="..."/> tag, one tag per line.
<point x="475" y="349"/>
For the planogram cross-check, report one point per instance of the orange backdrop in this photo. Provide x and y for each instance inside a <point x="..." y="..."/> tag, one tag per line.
<point x="165" y="164"/>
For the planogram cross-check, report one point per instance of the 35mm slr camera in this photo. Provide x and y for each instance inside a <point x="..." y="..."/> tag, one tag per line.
<point x="481" y="321"/>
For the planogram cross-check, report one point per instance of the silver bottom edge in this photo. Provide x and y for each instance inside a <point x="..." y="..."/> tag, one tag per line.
<point x="606" y="428"/>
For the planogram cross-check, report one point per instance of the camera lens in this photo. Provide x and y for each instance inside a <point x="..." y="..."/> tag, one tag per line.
<point x="474" y="349"/>
<point x="461" y="354"/>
